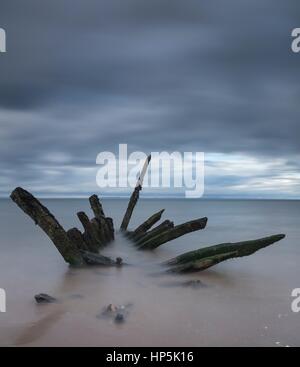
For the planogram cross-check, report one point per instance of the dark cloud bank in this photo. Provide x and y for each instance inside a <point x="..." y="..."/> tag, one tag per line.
<point x="81" y="77"/>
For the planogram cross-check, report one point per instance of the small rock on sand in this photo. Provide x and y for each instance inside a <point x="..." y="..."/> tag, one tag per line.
<point x="119" y="318"/>
<point x="44" y="298"/>
<point x="118" y="313"/>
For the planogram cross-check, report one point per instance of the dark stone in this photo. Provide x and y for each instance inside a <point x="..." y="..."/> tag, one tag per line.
<point x="111" y="308"/>
<point x="44" y="298"/>
<point x="119" y="261"/>
<point x="119" y="318"/>
<point x="118" y="313"/>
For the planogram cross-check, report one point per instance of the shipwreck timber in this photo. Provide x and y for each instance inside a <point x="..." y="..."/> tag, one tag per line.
<point x="74" y="246"/>
<point x="82" y="248"/>
<point x="207" y="257"/>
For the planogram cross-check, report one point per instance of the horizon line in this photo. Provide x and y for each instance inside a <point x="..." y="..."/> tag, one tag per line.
<point x="83" y="197"/>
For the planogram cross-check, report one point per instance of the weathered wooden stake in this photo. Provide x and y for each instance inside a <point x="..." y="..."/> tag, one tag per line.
<point x="91" y="232"/>
<point x="140" y="240"/>
<point x="105" y="225"/>
<point x="49" y="224"/>
<point x="135" y="196"/>
<point x="145" y="226"/>
<point x="171" y="234"/>
<point x="96" y="206"/>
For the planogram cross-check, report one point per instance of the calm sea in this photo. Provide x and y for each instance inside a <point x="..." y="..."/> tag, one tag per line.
<point x="245" y="302"/>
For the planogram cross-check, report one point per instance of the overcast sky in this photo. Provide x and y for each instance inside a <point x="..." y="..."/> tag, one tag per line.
<point x="82" y="76"/>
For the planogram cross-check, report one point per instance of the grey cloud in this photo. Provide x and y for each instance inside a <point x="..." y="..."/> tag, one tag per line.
<point x="83" y="76"/>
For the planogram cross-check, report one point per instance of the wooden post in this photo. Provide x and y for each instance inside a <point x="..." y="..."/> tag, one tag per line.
<point x="106" y="226"/>
<point x="135" y="196"/>
<point x="91" y="234"/>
